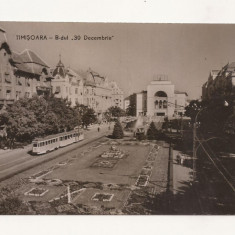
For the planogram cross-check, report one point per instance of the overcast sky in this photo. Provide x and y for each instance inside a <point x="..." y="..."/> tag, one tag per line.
<point x="185" y="53"/>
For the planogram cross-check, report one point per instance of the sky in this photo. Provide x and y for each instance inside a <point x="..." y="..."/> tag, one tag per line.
<point x="186" y="53"/>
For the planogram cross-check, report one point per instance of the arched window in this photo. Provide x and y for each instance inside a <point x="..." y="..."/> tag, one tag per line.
<point x="161" y="94"/>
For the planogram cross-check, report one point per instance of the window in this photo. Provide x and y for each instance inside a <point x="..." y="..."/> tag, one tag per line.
<point x="18" y="93"/>
<point x="27" y="94"/>
<point x="76" y="90"/>
<point x="35" y="145"/>
<point x="8" y="94"/>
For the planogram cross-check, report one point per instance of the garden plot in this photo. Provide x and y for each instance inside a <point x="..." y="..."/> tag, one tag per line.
<point x="114" y="152"/>
<point x="102" y="197"/>
<point x="37" y="192"/>
<point x="142" y="180"/>
<point x="104" y="163"/>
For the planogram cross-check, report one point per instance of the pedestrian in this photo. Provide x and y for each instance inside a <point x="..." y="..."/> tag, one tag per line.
<point x="98" y="129"/>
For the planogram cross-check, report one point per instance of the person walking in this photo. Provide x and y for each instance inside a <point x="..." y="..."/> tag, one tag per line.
<point x="98" y="129"/>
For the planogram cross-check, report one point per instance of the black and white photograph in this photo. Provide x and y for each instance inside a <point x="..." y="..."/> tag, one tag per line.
<point x="117" y="119"/>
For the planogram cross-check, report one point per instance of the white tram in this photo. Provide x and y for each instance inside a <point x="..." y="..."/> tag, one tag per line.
<point x="52" y="142"/>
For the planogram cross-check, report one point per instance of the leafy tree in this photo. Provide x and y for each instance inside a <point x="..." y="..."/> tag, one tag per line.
<point x="152" y="132"/>
<point x="21" y="124"/>
<point x="193" y="108"/>
<point x="89" y="117"/>
<point x="118" y="131"/>
<point x="116" y="111"/>
<point x="66" y="115"/>
<point x="86" y="115"/>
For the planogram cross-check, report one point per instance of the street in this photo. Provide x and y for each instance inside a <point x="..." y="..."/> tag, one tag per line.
<point x="18" y="160"/>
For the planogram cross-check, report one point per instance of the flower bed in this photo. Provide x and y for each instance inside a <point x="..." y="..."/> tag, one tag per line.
<point x="104" y="163"/>
<point x="147" y="172"/>
<point x="102" y="197"/>
<point x="142" y="180"/>
<point x="37" y="192"/>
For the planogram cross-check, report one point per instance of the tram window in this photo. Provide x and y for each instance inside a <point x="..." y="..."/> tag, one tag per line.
<point x="35" y="145"/>
<point x="66" y="137"/>
<point x="43" y="143"/>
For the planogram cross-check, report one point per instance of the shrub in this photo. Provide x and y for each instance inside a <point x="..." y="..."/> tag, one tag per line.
<point x="117" y="131"/>
<point x="152" y="132"/>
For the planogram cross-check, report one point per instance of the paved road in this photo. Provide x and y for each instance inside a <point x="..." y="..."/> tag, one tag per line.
<point x="19" y="160"/>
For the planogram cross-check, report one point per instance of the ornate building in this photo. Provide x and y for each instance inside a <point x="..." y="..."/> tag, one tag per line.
<point x="161" y="99"/>
<point x="21" y="74"/>
<point x="67" y="84"/>
<point x="117" y="95"/>
<point x="97" y="92"/>
<point x="220" y="83"/>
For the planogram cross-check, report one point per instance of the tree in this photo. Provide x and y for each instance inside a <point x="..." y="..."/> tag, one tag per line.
<point x="118" y="131"/>
<point x="85" y="115"/>
<point x="116" y="111"/>
<point x="193" y="108"/>
<point x="21" y="124"/>
<point x="152" y="132"/>
<point x="89" y="117"/>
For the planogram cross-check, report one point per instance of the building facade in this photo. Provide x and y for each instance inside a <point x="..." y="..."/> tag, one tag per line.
<point x="67" y="84"/>
<point x="160" y="97"/>
<point x="220" y="84"/>
<point x="97" y="92"/>
<point x="21" y="74"/>
<point x="141" y="103"/>
<point x="161" y="100"/>
<point x="117" y="95"/>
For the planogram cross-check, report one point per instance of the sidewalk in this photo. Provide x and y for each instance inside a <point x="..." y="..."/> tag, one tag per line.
<point x="182" y="175"/>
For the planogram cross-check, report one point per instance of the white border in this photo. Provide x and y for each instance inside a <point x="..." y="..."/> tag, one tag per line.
<point x="167" y="11"/>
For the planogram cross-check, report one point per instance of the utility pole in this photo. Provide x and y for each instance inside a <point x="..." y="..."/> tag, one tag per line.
<point x="194" y="149"/>
<point x="69" y="195"/>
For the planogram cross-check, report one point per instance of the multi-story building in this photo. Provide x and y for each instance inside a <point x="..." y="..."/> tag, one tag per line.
<point x="21" y="74"/>
<point x="161" y="99"/>
<point x="141" y="103"/>
<point x="67" y="84"/>
<point x="220" y="84"/>
<point x="117" y="95"/>
<point x="97" y="92"/>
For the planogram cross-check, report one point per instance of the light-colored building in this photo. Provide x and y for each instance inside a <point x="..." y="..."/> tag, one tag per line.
<point x="21" y="74"/>
<point x="160" y="97"/>
<point x="180" y="103"/>
<point x="117" y="95"/>
<point x="67" y="84"/>
<point x="141" y="103"/>
<point x="161" y="100"/>
<point x="97" y="92"/>
<point x="126" y="103"/>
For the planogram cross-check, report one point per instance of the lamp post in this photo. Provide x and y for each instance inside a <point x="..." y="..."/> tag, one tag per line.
<point x="194" y="143"/>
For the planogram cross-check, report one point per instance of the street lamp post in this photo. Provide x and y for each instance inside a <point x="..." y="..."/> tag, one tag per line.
<point x="194" y="143"/>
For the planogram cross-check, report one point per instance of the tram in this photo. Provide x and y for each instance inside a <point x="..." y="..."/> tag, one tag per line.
<point x="52" y="142"/>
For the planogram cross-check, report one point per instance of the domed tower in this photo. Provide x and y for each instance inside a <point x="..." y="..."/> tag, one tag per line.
<point x="59" y="70"/>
